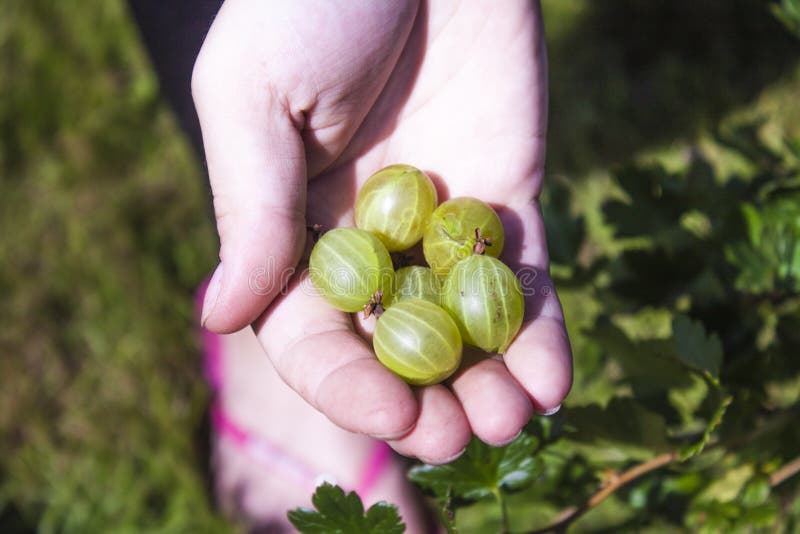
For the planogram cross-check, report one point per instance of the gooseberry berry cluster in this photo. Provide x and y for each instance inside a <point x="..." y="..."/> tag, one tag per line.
<point x="425" y="314"/>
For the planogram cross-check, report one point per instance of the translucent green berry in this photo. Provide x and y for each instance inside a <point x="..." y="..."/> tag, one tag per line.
<point x="485" y="298"/>
<point x="395" y="203"/>
<point x="348" y="266"/>
<point x="416" y="282"/>
<point x="454" y="230"/>
<point x="418" y="341"/>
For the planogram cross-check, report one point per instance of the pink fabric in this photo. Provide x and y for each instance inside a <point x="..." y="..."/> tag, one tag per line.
<point x="378" y="462"/>
<point x="259" y="449"/>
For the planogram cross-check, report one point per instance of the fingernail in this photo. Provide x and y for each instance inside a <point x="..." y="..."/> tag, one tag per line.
<point x="551" y="411"/>
<point x="395" y="435"/>
<point x="446" y="460"/>
<point x="212" y="293"/>
<point x="506" y="442"/>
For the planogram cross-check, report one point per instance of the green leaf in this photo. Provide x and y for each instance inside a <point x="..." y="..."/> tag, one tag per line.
<point x="565" y="233"/>
<point x="624" y="424"/>
<point x="646" y="323"/>
<point x="482" y="470"/>
<point x="727" y="486"/>
<point x="756" y="492"/>
<point x="737" y="502"/>
<point x="788" y="12"/>
<point x="783" y="392"/>
<point x="761" y="516"/>
<point x="713" y="517"/>
<point x="648" y="365"/>
<point x="755" y="271"/>
<point x="518" y="467"/>
<point x="447" y="512"/>
<point x="696" y="448"/>
<point x="752" y="219"/>
<point x="694" y="348"/>
<point x="340" y="513"/>
<point x="656" y="200"/>
<point x="686" y="401"/>
<point x="770" y="258"/>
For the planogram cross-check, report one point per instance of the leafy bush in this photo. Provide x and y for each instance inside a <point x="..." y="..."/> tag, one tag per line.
<point x="788" y="12"/>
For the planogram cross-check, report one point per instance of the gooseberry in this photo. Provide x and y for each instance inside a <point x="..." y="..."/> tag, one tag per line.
<point x="417" y="282"/>
<point x="350" y="268"/>
<point x="394" y="204"/>
<point x="456" y="228"/>
<point x="485" y="299"/>
<point x="418" y="341"/>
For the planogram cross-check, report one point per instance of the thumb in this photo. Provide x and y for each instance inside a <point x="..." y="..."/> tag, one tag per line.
<point x="257" y="169"/>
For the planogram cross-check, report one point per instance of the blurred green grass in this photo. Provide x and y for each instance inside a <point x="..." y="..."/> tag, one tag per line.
<point x="105" y="237"/>
<point x="106" y="230"/>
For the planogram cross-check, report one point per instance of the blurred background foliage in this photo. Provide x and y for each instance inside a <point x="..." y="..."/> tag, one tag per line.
<point x="105" y="237"/>
<point x="673" y="220"/>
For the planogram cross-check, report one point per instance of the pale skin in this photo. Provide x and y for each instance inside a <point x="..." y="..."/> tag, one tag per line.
<point x="299" y="103"/>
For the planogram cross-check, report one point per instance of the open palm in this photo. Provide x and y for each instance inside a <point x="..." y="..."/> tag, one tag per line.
<point x="299" y="103"/>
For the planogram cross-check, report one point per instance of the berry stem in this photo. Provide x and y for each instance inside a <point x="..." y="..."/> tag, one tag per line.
<point x="316" y="231"/>
<point x="481" y="242"/>
<point x="374" y="306"/>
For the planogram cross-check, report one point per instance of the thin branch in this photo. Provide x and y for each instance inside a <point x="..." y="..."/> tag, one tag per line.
<point x="787" y="471"/>
<point x="571" y="514"/>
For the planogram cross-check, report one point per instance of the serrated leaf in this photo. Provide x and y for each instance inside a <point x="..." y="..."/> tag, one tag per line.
<point x="482" y="470"/>
<point x="624" y="423"/>
<point x="340" y="513"/>
<point x="649" y="364"/>
<point x="332" y="500"/>
<point x="694" y="348"/>
<point x="383" y="517"/>
<point x="770" y="258"/>
<point x="447" y="512"/>
<point x="518" y="466"/>
<point x="716" y="419"/>
<point x="308" y="521"/>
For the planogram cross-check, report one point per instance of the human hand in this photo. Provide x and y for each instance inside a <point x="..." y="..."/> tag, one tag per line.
<point x="299" y="103"/>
